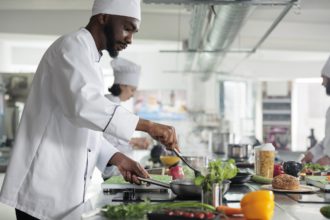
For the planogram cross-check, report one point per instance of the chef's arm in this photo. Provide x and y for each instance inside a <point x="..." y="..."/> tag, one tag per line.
<point x="314" y="154"/>
<point x="129" y="168"/>
<point x="160" y="132"/>
<point x="108" y="155"/>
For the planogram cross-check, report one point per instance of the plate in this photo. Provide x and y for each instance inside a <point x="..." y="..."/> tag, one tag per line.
<point x="302" y="189"/>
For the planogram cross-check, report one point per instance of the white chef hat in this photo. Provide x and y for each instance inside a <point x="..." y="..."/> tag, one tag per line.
<point x="126" y="72"/>
<point x="326" y="69"/>
<point x="129" y="8"/>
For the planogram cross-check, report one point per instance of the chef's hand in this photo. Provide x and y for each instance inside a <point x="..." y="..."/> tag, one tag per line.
<point x="162" y="133"/>
<point x="308" y="157"/>
<point x="129" y="168"/>
<point x="324" y="161"/>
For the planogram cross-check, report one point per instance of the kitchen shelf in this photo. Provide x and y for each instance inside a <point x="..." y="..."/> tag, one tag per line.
<point x="276" y="112"/>
<point x="276" y="100"/>
<point x="285" y="123"/>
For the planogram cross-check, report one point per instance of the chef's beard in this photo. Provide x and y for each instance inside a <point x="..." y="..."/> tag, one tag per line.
<point x="327" y="88"/>
<point x="109" y="33"/>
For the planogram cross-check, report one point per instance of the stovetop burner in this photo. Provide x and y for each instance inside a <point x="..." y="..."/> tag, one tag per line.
<point x="133" y="196"/>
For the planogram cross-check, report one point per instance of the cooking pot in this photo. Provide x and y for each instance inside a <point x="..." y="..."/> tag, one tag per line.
<point x="220" y="142"/>
<point x="238" y="151"/>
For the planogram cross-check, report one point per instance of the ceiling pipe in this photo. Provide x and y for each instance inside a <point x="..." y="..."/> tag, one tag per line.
<point x="227" y="22"/>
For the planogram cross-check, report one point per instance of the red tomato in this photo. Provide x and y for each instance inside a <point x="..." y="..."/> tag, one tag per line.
<point x="170" y="213"/>
<point x="209" y="215"/>
<point x="278" y="169"/>
<point x="200" y="215"/>
<point x="178" y="213"/>
<point x="191" y="215"/>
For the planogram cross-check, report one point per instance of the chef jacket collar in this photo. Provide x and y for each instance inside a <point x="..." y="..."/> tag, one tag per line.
<point x="95" y="52"/>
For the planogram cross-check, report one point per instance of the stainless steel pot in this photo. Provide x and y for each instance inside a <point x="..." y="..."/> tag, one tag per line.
<point x="238" y="151"/>
<point x="220" y="142"/>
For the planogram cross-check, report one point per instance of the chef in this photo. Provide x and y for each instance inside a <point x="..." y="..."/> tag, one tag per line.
<point x="321" y="152"/>
<point x="60" y="136"/>
<point x="126" y="80"/>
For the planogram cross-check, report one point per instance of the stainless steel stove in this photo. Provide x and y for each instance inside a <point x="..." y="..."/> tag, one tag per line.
<point x="139" y="195"/>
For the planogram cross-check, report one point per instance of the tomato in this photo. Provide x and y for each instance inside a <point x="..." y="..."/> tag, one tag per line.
<point x="209" y="215"/>
<point x="185" y="214"/>
<point x="191" y="215"/>
<point x="200" y="215"/>
<point x="170" y="213"/>
<point x="178" y="213"/>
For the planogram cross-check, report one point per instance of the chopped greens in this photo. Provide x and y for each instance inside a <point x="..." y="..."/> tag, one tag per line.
<point x="218" y="171"/>
<point x="138" y="210"/>
<point x="315" y="167"/>
<point x="120" y="179"/>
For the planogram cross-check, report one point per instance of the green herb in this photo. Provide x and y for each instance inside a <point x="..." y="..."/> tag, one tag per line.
<point x="315" y="167"/>
<point x="138" y="210"/>
<point x="218" y="171"/>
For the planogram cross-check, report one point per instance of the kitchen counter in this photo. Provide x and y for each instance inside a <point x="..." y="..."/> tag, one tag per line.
<point x="285" y="207"/>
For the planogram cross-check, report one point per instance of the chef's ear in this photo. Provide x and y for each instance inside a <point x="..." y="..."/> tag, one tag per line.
<point x="102" y="18"/>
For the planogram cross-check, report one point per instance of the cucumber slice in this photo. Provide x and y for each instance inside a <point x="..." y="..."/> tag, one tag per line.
<point x="261" y="179"/>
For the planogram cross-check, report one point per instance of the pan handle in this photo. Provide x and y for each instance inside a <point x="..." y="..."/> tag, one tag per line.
<point x="154" y="182"/>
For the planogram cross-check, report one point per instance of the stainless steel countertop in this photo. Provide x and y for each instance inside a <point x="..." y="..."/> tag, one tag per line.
<point x="285" y="207"/>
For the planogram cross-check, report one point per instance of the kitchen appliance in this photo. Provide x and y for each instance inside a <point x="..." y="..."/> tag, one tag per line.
<point x="239" y="152"/>
<point x="220" y="142"/>
<point x="139" y="195"/>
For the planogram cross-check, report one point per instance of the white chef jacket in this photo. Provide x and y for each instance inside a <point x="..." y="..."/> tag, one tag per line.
<point x="122" y="145"/>
<point x="60" y="136"/>
<point x="323" y="148"/>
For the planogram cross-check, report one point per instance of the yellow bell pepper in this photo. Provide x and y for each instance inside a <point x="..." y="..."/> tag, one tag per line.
<point x="258" y="205"/>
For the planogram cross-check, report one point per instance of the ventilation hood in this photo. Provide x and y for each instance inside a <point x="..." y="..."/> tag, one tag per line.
<point x="215" y="25"/>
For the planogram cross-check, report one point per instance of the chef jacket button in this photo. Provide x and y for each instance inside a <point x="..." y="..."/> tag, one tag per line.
<point x="89" y="150"/>
<point x="90" y="177"/>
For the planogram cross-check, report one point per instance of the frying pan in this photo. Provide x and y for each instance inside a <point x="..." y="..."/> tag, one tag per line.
<point x="241" y="178"/>
<point x="183" y="188"/>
